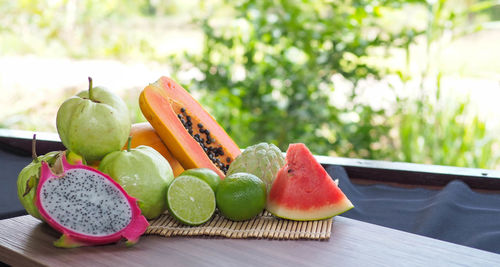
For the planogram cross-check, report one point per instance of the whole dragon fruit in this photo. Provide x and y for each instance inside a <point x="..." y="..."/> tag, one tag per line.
<point x="87" y="207"/>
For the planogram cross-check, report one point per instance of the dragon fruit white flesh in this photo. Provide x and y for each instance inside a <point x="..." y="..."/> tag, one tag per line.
<point x="87" y="207"/>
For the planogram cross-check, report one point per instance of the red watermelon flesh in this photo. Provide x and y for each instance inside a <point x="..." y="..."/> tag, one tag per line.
<point x="303" y="190"/>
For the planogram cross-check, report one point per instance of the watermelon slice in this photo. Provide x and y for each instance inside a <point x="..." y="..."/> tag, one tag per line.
<point x="303" y="190"/>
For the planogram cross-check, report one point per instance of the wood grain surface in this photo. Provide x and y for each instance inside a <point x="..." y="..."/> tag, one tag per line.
<point x="25" y="241"/>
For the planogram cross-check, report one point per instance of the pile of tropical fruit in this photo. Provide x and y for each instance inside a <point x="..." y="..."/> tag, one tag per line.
<point x="115" y="176"/>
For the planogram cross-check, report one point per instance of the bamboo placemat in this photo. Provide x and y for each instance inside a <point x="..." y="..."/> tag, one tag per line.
<point x="263" y="225"/>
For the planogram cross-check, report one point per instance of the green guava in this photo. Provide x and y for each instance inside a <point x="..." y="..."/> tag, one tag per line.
<point x="27" y="180"/>
<point x="262" y="160"/>
<point x="144" y="174"/>
<point x="93" y="123"/>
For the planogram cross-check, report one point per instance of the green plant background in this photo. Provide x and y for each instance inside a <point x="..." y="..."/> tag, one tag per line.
<point x="267" y="70"/>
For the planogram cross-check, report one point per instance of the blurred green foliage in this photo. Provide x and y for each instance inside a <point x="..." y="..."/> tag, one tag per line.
<point x="266" y="69"/>
<point x="266" y="74"/>
<point x="436" y="129"/>
<point x="444" y="134"/>
<point x="75" y="28"/>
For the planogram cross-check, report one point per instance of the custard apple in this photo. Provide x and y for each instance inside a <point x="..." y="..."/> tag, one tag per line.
<point x="262" y="160"/>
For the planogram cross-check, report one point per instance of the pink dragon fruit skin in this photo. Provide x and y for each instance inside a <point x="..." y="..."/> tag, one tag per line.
<point x="123" y="213"/>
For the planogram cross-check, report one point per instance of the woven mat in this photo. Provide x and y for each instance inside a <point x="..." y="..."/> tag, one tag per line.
<point x="262" y="226"/>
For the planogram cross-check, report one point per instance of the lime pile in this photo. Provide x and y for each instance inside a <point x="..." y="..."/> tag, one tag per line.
<point x="194" y="195"/>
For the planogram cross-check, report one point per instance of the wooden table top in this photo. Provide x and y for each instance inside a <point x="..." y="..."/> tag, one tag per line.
<point x="25" y="241"/>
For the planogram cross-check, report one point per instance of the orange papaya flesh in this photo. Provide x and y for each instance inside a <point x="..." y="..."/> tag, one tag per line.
<point x="144" y="134"/>
<point x="201" y="143"/>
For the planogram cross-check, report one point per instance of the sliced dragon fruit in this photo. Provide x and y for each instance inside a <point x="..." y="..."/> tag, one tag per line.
<point x="87" y="207"/>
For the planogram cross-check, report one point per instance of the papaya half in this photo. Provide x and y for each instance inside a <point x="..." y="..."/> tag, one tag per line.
<point x="144" y="134"/>
<point x="190" y="133"/>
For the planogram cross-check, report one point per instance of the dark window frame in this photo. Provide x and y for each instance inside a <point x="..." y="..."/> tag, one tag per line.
<point x="403" y="173"/>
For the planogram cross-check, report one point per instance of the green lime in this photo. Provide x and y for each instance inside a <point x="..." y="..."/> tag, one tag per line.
<point x="190" y="200"/>
<point x="241" y="196"/>
<point x="206" y="175"/>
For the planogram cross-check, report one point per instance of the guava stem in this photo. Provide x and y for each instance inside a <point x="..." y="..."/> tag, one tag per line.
<point x="129" y="142"/>
<point x="33" y="149"/>
<point x="91" y="96"/>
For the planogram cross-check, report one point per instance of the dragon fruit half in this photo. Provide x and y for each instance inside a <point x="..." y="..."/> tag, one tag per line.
<point x="87" y="207"/>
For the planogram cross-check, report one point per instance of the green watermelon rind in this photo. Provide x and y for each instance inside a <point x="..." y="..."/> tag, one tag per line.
<point x="351" y="206"/>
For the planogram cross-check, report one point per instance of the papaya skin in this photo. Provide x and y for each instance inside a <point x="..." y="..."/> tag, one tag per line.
<point x="144" y="134"/>
<point x="160" y="102"/>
